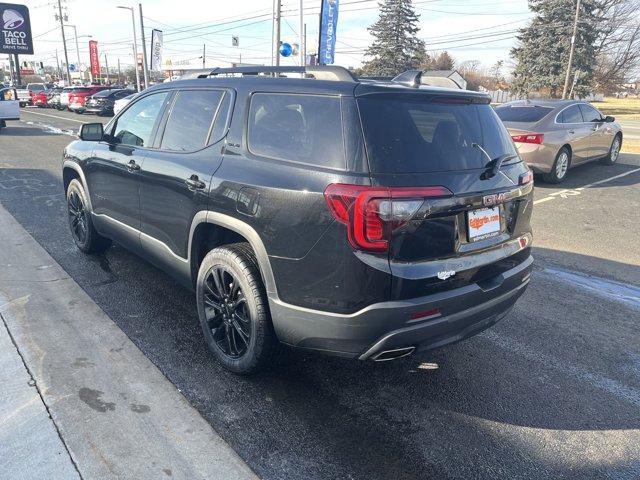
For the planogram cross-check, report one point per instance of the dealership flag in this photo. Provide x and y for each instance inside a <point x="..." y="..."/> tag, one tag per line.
<point x="94" y="59"/>
<point x="328" y="24"/>
<point x="156" y="50"/>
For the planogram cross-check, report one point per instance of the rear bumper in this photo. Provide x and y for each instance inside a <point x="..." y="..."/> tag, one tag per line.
<point x="385" y="326"/>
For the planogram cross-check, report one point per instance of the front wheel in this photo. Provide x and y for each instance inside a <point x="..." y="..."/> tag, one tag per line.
<point x="560" y="167"/>
<point x="83" y="232"/>
<point x="614" y="151"/>
<point x="233" y="311"/>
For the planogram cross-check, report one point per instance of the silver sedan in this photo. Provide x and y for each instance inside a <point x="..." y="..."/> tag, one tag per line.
<point x="553" y="136"/>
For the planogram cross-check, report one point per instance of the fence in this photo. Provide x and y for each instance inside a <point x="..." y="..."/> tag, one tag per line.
<point x="502" y="96"/>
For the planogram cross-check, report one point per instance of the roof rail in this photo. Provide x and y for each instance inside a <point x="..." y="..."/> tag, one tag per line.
<point x="319" y="72"/>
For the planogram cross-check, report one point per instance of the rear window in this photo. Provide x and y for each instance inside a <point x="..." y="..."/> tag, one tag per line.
<point x="81" y="90"/>
<point x="532" y="113"/>
<point x="103" y="93"/>
<point x="36" y="87"/>
<point x="299" y="128"/>
<point x="405" y="134"/>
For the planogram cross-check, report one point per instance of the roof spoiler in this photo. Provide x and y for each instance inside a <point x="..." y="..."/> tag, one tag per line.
<point x="414" y="78"/>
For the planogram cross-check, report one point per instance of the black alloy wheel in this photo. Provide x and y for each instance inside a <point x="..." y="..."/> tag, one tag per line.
<point x="77" y="218"/>
<point x="226" y="312"/>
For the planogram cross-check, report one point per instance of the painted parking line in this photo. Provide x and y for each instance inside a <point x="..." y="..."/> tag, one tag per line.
<point x="55" y="116"/>
<point x="572" y="192"/>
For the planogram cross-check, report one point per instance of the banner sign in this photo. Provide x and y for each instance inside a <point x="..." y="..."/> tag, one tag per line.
<point x="15" y="29"/>
<point x="94" y="58"/>
<point x="156" y="50"/>
<point x="328" y="24"/>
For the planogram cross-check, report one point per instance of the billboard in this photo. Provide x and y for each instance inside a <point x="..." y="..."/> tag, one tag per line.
<point x="156" y="50"/>
<point x="94" y="58"/>
<point x="328" y="24"/>
<point x="15" y="29"/>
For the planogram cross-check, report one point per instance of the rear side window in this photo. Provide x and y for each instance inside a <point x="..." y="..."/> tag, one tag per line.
<point x="570" y="115"/>
<point x="299" y="128"/>
<point x="407" y="134"/>
<point x="526" y="114"/>
<point x="589" y="113"/>
<point x="190" y="120"/>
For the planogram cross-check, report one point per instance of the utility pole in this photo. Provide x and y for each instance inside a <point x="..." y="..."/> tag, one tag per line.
<point x="301" y="46"/>
<point x="278" y="21"/>
<point x="64" y="41"/>
<point x="304" y="48"/>
<point x="106" y="66"/>
<point x="119" y="71"/>
<point x="75" y="32"/>
<point x="58" y="66"/>
<point x="144" y="51"/>
<point x="273" y="39"/>
<point x="573" y="46"/>
<point x="16" y="60"/>
<point x="204" y="55"/>
<point x="135" y="47"/>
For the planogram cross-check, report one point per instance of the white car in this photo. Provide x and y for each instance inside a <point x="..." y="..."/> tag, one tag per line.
<point x="9" y="106"/>
<point x="123" y="102"/>
<point x="64" y="97"/>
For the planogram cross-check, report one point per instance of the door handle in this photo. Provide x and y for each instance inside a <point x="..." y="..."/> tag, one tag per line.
<point x="132" y="166"/>
<point x="572" y="132"/>
<point x="193" y="182"/>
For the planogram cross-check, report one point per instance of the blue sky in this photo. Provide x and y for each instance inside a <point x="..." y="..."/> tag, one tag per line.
<point x="188" y="24"/>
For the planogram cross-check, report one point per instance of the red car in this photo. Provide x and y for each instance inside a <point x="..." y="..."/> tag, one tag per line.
<point x="79" y="96"/>
<point x="39" y="99"/>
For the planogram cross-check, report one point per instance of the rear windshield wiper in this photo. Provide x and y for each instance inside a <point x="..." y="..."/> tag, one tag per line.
<point x="494" y="163"/>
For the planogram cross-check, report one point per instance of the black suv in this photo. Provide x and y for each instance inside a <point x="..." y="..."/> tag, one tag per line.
<point x="360" y="218"/>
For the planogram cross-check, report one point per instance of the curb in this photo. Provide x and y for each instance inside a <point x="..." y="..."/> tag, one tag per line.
<point x="117" y="415"/>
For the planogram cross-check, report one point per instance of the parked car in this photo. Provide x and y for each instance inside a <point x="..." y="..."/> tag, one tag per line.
<point x="102" y="103"/>
<point x="553" y="136"/>
<point x="63" y="101"/>
<point x="9" y="105"/>
<point x="24" y="95"/>
<point x="122" y="102"/>
<point x="78" y="97"/>
<point x="361" y="219"/>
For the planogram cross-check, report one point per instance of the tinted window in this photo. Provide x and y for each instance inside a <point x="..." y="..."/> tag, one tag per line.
<point x="190" y="120"/>
<point x="406" y="134"/>
<point x="571" y="115"/>
<point x="103" y="93"/>
<point x="589" y="113"/>
<point x="301" y="128"/>
<point x="532" y="113"/>
<point x="135" y="125"/>
<point x="122" y="94"/>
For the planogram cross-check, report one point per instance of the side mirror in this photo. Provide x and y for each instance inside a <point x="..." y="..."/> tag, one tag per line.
<point x="91" y="132"/>
<point x="609" y="119"/>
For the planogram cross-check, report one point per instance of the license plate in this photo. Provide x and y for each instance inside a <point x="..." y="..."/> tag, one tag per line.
<point x="483" y="223"/>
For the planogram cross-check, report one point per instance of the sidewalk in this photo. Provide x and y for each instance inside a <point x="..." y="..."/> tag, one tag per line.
<point x="79" y="400"/>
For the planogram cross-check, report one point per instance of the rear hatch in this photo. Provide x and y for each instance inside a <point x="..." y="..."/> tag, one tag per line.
<point x="458" y="203"/>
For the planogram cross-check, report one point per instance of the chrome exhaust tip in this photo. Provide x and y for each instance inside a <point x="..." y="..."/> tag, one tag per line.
<point x="387" y="355"/>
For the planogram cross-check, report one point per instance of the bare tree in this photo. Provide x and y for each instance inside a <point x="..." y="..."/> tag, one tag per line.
<point x="618" y="44"/>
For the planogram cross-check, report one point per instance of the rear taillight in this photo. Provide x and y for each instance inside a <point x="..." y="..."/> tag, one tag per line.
<point x="536" y="138"/>
<point x="525" y="178"/>
<point x="371" y="214"/>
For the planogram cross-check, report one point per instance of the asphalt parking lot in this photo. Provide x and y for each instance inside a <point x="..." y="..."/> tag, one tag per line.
<point x="552" y="391"/>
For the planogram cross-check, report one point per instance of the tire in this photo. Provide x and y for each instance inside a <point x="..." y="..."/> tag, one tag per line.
<point x="614" y="151"/>
<point x="233" y="310"/>
<point x="83" y="232"/>
<point x="560" y="167"/>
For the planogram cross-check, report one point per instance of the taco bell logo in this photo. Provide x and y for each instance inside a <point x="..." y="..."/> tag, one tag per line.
<point x="12" y="19"/>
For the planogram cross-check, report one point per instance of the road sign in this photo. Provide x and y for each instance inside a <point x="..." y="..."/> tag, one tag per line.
<point x="72" y="67"/>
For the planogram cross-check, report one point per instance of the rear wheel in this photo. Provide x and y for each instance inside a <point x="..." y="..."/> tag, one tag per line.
<point x="83" y="232"/>
<point x="233" y="312"/>
<point x="614" y="151"/>
<point x="560" y="167"/>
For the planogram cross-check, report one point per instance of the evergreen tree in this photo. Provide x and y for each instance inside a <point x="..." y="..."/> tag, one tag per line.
<point x="543" y="51"/>
<point x="443" y="61"/>
<point x="395" y="48"/>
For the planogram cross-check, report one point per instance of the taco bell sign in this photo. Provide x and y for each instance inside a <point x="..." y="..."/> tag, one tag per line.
<point x="15" y="29"/>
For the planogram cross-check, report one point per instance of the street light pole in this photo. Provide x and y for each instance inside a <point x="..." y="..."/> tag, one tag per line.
<point x="135" y="47"/>
<point x="573" y="46"/>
